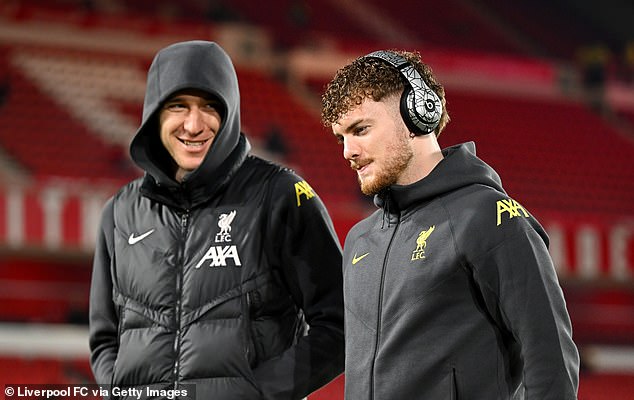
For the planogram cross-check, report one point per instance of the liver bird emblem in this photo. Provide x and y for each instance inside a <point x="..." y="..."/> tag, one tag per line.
<point x="421" y="241"/>
<point x="224" y="222"/>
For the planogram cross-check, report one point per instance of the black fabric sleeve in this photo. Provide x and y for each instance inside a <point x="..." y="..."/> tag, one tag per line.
<point x="308" y="251"/>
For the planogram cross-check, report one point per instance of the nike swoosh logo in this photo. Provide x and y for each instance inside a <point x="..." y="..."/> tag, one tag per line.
<point x="356" y="259"/>
<point x="135" y="239"/>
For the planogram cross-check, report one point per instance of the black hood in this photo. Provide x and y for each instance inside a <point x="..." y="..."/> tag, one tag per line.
<point x="460" y="167"/>
<point x="189" y="65"/>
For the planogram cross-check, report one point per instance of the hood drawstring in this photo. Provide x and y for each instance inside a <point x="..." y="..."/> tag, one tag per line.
<point x="387" y="208"/>
<point x="384" y="200"/>
<point x="383" y="220"/>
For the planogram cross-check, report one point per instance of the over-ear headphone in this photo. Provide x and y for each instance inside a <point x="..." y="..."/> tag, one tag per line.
<point x="421" y="108"/>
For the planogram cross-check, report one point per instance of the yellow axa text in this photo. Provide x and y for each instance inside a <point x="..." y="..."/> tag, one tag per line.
<point x="509" y="206"/>
<point x="303" y="188"/>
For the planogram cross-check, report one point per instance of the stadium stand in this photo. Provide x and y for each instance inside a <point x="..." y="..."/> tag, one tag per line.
<point x="462" y="28"/>
<point x="566" y="163"/>
<point x="43" y="292"/>
<point x="559" y="33"/>
<point x="552" y="154"/>
<point x="314" y="153"/>
<point x="53" y="148"/>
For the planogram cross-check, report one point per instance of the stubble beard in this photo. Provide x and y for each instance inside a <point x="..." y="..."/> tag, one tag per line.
<point x="402" y="155"/>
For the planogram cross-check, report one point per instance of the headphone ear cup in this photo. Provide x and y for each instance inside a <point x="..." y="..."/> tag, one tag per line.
<point x="407" y="107"/>
<point x="423" y="105"/>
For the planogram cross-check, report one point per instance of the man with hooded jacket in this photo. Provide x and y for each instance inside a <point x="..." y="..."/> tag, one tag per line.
<point x="216" y="270"/>
<point x="449" y="288"/>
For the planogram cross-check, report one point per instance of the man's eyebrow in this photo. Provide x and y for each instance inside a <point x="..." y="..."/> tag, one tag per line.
<point x="351" y="126"/>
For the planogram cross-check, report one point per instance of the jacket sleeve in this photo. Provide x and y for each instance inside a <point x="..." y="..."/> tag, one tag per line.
<point x="309" y="253"/>
<point x="522" y="293"/>
<point x="102" y="314"/>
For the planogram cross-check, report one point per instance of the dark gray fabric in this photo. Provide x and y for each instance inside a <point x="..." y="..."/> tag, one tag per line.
<point x="451" y="294"/>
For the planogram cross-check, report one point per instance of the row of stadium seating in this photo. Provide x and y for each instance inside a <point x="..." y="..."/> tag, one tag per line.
<point x="553" y="154"/>
<point x="489" y="25"/>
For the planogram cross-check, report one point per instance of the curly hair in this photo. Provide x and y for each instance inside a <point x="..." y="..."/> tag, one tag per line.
<point x="375" y="79"/>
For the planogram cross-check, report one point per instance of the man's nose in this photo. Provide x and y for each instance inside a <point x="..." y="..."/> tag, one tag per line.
<point x="194" y="123"/>
<point x="350" y="149"/>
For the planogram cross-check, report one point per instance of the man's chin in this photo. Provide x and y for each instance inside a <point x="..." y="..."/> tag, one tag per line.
<point x="369" y="188"/>
<point x="375" y="184"/>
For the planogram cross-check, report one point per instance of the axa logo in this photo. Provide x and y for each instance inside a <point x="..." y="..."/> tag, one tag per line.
<point x="303" y="189"/>
<point x="421" y="243"/>
<point x="511" y="207"/>
<point x="221" y="256"/>
<point x="224" y="223"/>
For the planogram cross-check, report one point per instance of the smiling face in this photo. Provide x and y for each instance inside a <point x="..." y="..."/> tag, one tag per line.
<point x="189" y="121"/>
<point x="377" y="144"/>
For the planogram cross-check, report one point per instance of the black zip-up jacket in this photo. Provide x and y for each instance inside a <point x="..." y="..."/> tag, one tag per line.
<point x="230" y="280"/>
<point x="451" y="294"/>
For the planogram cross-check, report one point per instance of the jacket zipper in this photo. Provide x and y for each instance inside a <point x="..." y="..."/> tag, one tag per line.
<point x="247" y="316"/>
<point x="179" y="294"/>
<point x="380" y="307"/>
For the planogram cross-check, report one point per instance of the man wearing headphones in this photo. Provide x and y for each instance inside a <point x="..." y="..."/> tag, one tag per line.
<point x="449" y="289"/>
